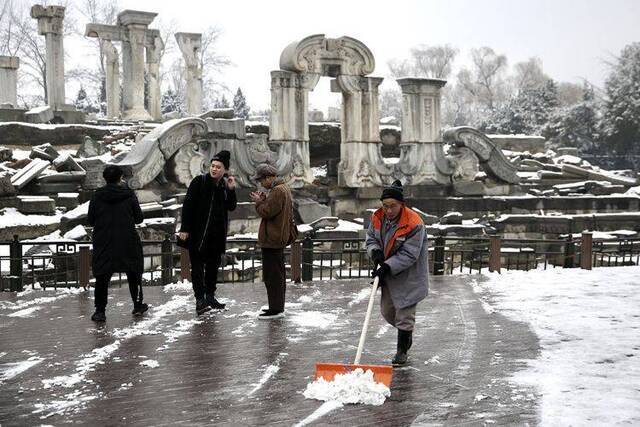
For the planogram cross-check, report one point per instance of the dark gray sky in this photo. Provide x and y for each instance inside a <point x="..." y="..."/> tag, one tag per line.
<point x="573" y="38"/>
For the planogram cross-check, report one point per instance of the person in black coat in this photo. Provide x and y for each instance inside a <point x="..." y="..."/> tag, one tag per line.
<point x="113" y="212"/>
<point x="205" y="222"/>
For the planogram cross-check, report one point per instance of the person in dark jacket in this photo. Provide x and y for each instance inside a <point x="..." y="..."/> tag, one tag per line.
<point x="397" y="243"/>
<point x="205" y="222"/>
<point x="113" y="213"/>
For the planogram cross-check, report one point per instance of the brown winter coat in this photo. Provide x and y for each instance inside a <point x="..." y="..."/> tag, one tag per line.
<point x="275" y="210"/>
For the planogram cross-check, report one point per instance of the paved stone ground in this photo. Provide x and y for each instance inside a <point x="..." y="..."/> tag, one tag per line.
<point x="229" y="369"/>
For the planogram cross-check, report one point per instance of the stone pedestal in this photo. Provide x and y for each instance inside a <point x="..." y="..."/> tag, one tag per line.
<point x="422" y="159"/>
<point x="50" y="25"/>
<point x="9" y="80"/>
<point x="190" y="45"/>
<point x="133" y="62"/>
<point x="112" y="69"/>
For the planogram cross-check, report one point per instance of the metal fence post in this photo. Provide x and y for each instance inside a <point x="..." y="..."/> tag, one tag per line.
<point x="569" y="252"/>
<point x="438" y="256"/>
<point x="185" y="264"/>
<point x="586" y="250"/>
<point x="15" y="265"/>
<point x="296" y="262"/>
<point x="307" y="259"/>
<point x="83" y="267"/>
<point x="166" y="261"/>
<point x="495" y="246"/>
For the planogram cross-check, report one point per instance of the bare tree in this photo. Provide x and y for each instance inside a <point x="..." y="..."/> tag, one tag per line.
<point x="400" y="68"/>
<point x="212" y="62"/>
<point x="529" y="74"/>
<point x="433" y="61"/>
<point x="484" y="82"/>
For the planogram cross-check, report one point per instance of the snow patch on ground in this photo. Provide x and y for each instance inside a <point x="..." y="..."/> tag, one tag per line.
<point x="27" y="312"/>
<point x="11" y="370"/>
<point x="314" y="319"/>
<point x="588" y="323"/>
<point x="354" y="387"/>
<point x="360" y="296"/>
<point x="323" y="410"/>
<point x="270" y="371"/>
<point x="149" y="363"/>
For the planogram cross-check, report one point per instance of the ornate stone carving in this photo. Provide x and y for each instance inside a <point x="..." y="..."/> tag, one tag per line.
<point x="328" y="57"/>
<point x="464" y="163"/>
<point x="148" y="157"/>
<point x="189" y="162"/>
<point x="493" y="162"/>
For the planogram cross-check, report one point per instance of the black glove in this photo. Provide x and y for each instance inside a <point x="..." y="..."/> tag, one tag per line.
<point x="381" y="271"/>
<point x="377" y="256"/>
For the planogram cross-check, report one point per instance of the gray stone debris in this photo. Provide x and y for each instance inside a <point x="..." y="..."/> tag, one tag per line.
<point x="67" y="200"/>
<point x="91" y="148"/>
<point x="6" y="154"/>
<point x="42" y="205"/>
<point x="42" y="114"/>
<point x="66" y="163"/>
<point x="310" y="210"/>
<point x="6" y="187"/>
<point x="452" y="218"/>
<point x="29" y="173"/>
<point x="44" y="152"/>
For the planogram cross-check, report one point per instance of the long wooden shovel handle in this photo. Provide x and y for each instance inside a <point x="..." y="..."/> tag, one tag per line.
<point x="365" y="326"/>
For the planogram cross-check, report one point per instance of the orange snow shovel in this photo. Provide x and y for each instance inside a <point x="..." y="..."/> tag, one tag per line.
<point x="381" y="373"/>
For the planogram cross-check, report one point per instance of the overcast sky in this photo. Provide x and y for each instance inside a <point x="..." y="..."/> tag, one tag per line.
<point x="573" y="38"/>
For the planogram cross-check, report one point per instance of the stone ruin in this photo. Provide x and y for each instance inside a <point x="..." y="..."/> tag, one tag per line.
<point x="453" y="176"/>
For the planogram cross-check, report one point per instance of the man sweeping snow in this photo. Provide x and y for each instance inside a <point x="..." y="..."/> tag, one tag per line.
<point x="397" y="244"/>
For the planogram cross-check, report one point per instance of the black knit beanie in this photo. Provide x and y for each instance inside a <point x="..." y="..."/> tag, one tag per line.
<point x="224" y="157"/>
<point x="393" y="191"/>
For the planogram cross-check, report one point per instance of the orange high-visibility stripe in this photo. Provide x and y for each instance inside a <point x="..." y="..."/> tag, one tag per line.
<point x="408" y="221"/>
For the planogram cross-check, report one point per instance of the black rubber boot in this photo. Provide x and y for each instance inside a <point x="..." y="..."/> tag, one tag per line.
<point x="202" y="306"/>
<point x="99" y="316"/>
<point x="214" y="303"/>
<point x="139" y="308"/>
<point x="404" y="344"/>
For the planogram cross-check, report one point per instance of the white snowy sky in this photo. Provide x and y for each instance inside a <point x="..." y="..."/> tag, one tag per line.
<point x="573" y="38"/>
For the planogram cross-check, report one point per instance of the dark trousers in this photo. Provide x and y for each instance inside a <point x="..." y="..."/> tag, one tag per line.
<point x="204" y="271"/>
<point x="274" y="276"/>
<point x="102" y="286"/>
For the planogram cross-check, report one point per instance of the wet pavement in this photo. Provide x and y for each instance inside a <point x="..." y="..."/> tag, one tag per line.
<point x="227" y="368"/>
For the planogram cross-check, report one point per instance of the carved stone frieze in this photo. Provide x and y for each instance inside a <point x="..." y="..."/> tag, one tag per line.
<point x="493" y="162"/>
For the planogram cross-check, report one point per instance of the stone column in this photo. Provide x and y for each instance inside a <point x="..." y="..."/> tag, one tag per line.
<point x="361" y="162"/>
<point x="289" y="124"/>
<point x="112" y="84"/>
<point x="9" y="80"/>
<point x="133" y="49"/>
<point x="422" y="159"/>
<point x="154" y="52"/>
<point x="50" y="25"/>
<point x="190" y="45"/>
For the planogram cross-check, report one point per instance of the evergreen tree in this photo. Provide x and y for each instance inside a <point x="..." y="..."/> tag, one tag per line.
<point x="221" y="102"/>
<point x="84" y="104"/>
<point x="621" y="115"/>
<point x="577" y="125"/>
<point x="240" y="107"/>
<point x="171" y="102"/>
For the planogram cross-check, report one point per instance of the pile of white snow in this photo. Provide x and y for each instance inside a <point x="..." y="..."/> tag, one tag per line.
<point x="354" y="387"/>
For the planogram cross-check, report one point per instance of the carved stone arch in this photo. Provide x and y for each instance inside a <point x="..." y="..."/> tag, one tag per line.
<point x="328" y="57"/>
<point x="494" y="163"/>
<point x="148" y="157"/>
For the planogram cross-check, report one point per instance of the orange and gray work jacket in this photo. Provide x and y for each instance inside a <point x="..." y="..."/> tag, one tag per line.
<point x="404" y="244"/>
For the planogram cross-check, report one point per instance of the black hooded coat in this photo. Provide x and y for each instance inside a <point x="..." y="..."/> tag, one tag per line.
<point x="113" y="212"/>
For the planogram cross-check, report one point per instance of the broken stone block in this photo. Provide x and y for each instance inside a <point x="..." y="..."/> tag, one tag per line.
<point x="6" y="154"/>
<point x="67" y="200"/>
<point x="66" y="163"/>
<point x="468" y="188"/>
<point x="44" y="152"/>
<point x="218" y="113"/>
<point x="227" y="127"/>
<point x="94" y="168"/>
<point x="6" y="187"/>
<point x="42" y="114"/>
<point x="91" y="148"/>
<point x="29" y="173"/>
<point x="42" y="205"/>
<point x="75" y="176"/>
<point x="426" y="218"/>
<point x="19" y="164"/>
<point x="309" y="210"/>
<point x="452" y="218"/>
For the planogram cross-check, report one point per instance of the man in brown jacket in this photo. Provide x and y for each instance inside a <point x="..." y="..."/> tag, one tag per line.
<point x="275" y="207"/>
